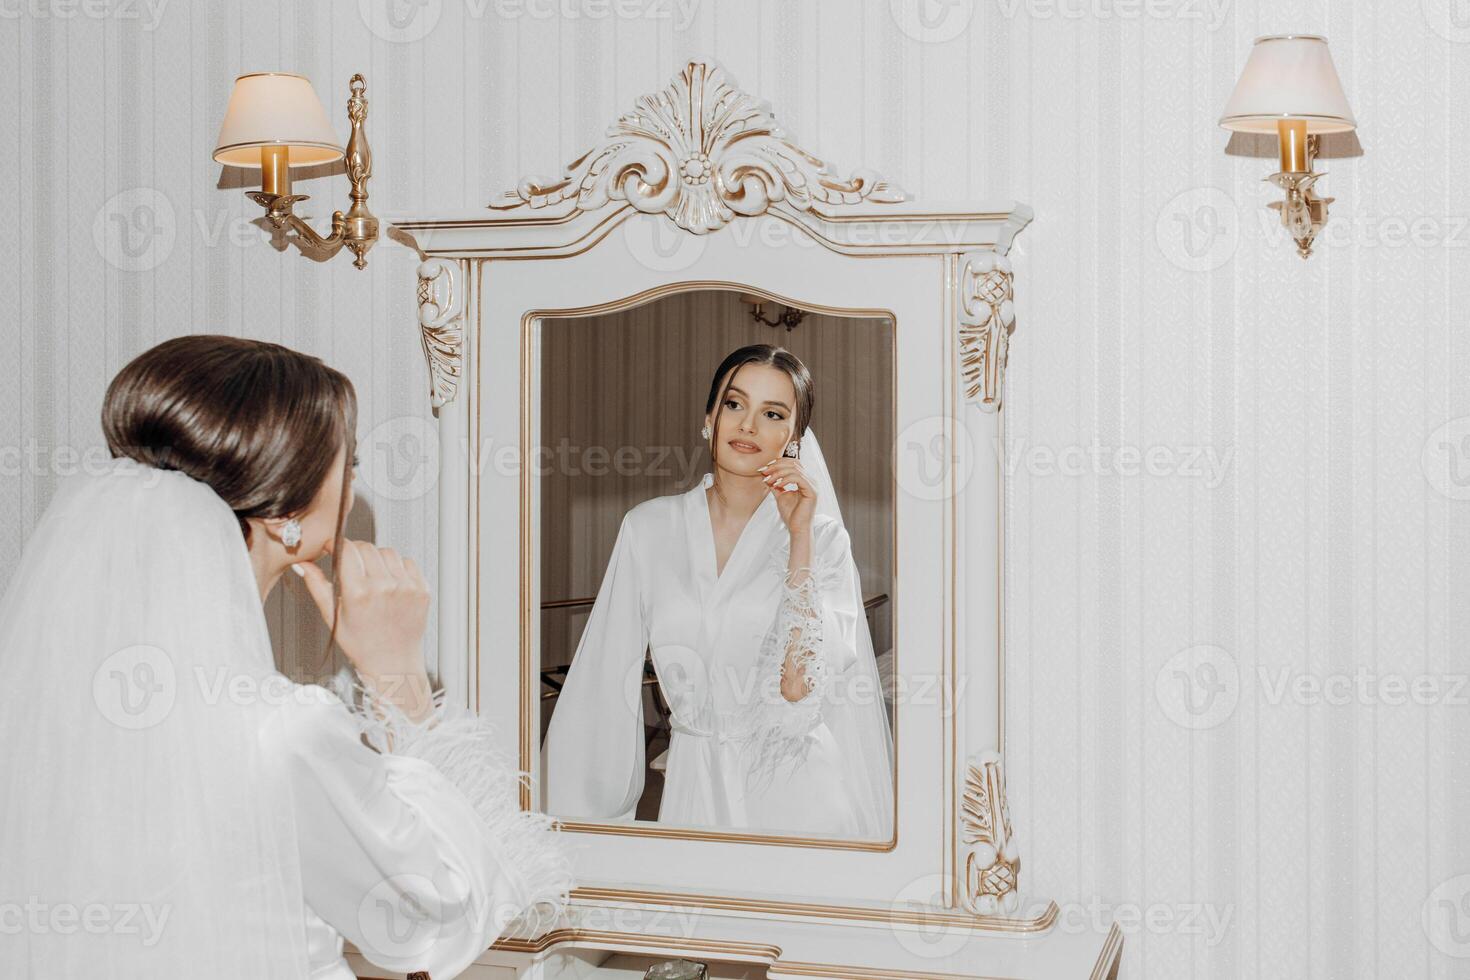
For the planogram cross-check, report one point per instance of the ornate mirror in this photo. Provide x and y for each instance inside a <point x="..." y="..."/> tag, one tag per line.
<point x="633" y="616"/>
<point x="651" y="627"/>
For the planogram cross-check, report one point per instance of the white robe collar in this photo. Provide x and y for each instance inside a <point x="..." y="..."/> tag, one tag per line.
<point x="713" y="588"/>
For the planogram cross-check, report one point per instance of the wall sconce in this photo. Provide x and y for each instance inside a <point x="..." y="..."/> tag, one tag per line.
<point x="1289" y="87"/>
<point x="790" y="317"/>
<point x="274" y="121"/>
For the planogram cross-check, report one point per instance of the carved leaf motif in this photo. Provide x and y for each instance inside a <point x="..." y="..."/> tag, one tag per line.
<point x="700" y="151"/>
<point x="991" y="864"/>
<point x="441" y="327"/>
<point x="987" y="320"/>
<point x="976" y="809"/>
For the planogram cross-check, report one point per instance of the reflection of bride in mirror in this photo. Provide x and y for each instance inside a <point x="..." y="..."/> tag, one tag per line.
<point x="745" y="591"/>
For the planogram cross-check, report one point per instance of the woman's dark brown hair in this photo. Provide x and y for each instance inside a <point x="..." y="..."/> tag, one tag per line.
<point x="768" y="354"/>
<point x="258" y="422"/>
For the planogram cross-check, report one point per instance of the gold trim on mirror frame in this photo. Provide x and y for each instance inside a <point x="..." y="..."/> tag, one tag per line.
<point x="441" y="327"/>
<point x="948" y="271"/>
<point x="987" y="320"/>
<point x="810" y="223"/>
<point x="1111" y="956"/>
<point x="989" y="922"/>
<point x="700" y="151"/>
<point x="1105" y="967"/>
<point x="530" y="704"/>
<point x="992" y="866"/>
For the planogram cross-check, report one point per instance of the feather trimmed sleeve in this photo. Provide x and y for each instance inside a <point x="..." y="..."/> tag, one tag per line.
<point x="412" y="840"/>
<point x="460" y="745"/>
<point x="815" y="625"/>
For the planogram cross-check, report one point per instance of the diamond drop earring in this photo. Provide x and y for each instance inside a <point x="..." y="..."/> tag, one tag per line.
<point x="291" y="533"/>
<point x="705" y="431"/>
<point x="792" y="448"/>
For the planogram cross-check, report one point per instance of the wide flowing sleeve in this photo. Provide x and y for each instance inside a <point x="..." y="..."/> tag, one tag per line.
<point x="816" y="624"/>
<point x="413" y="843"/>
<point x="593" y="758"/>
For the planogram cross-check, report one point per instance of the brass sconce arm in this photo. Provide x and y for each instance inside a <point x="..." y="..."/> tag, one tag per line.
<point x="356" y="228"/>
<point x="1302" y="212"/>
<point x="790" y="317"/>
<point x="1289" y="86"/>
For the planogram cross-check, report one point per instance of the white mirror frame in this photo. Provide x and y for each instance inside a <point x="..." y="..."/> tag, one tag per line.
<point x="697" y="187"/>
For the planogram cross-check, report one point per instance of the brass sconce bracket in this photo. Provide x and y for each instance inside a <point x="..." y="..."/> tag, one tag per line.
<point x="356" y="228"/>
<point x="1302" y="213"/>
<point x="790" y="317"/>
<point x="1290" y="84"/>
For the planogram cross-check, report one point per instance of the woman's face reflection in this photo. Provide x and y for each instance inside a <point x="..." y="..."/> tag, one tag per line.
<point x="756" y="420"/>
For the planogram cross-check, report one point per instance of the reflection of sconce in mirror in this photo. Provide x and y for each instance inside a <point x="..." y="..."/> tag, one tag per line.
<point x="275" y="122"/>
<point x="790" y="318"/>
<point x="1289" y="87"/>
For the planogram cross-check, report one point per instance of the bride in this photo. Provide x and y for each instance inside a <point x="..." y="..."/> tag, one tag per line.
<point x="170" y="805"/>
<point x="745" y="592"/>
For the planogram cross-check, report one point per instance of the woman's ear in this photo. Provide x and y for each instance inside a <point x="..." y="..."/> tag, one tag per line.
<point x="272" y="527"/>
<point x="259" y="531"/>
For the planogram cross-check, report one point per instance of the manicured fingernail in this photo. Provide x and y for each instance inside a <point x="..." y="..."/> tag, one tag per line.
<point x="300" y="572"/>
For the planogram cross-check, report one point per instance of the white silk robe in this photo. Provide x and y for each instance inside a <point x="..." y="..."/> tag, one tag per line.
<point x="717" y="644"/>
<point x="420" y="854"/>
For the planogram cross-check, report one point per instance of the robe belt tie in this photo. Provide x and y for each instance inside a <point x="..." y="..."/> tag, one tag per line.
<point x="679" y="725"/>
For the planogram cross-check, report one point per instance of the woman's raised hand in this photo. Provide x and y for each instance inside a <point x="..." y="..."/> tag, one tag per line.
<point x="380" y="627"/>
<point x="795" y="506"/>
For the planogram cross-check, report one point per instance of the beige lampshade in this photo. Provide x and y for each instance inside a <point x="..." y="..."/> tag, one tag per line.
<point x="272" y="108"/>
<point x="1288" y="76"/>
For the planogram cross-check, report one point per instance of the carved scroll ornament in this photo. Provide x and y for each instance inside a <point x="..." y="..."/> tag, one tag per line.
<point x="992" y="865"/>
<point x="700" y="151"/>
<point x="987" y="320"/>
<point x="441" y="326"/>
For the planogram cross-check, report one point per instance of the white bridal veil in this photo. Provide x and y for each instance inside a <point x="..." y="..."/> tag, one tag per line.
<point x="142" y="834"/>
<point x="854" y="709"/>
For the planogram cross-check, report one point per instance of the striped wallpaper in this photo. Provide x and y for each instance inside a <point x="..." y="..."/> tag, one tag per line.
<point x="1237" y="519"/>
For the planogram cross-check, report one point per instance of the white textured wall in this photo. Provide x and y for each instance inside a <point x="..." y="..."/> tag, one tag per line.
<point x="1158" y="312"/>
